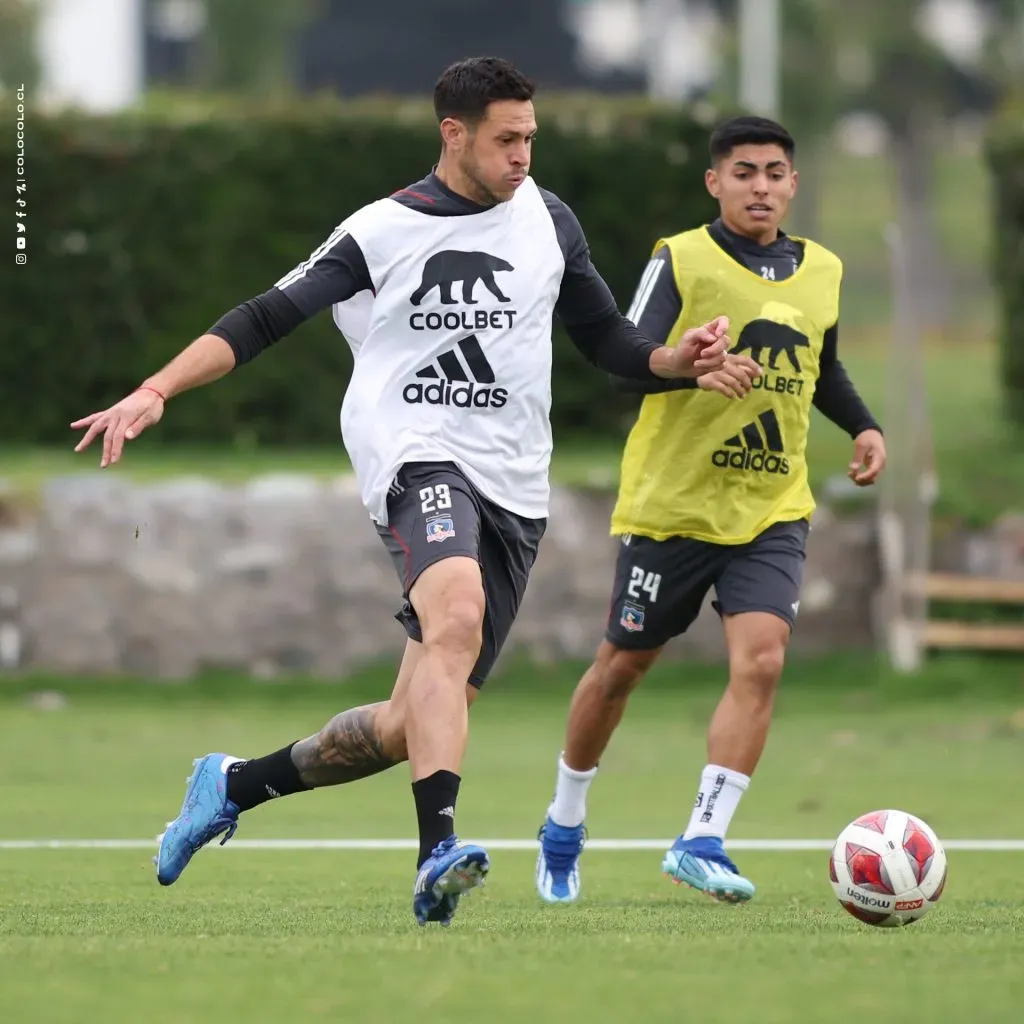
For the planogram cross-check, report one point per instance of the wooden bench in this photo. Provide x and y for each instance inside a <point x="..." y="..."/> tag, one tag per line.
<point x="940" y="633"/>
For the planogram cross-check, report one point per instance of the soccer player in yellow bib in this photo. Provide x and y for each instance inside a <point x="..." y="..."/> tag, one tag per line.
<point x="714" y="493"/>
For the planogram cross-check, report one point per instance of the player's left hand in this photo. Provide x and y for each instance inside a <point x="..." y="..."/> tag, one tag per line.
<point x="702" y="349"/>
<point x="868" y="458"/>
<point x="734" y="379"/>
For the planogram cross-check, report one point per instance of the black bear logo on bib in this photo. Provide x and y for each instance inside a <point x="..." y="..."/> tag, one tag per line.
<point x="445" y="268"/>
<point x="775" y="330"/>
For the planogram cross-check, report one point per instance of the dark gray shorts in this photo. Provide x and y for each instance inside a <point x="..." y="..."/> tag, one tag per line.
<point x="434" y="512"/>
<point x="660" y="585"/>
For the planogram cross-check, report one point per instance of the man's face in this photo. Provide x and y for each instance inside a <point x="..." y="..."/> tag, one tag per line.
<point x="495" y="153"/>
<point x="754" y="185"/>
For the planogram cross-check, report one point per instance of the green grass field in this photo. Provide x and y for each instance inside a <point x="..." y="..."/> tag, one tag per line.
<point x="253" y="934"/>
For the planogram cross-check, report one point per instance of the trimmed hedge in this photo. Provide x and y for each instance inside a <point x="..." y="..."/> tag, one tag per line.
<point x="1006" y="159"/>
<point x="144" y="228"/>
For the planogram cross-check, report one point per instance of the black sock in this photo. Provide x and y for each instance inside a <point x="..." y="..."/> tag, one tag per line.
<point x="251" y="783"/>
<point x="435" y="798"/>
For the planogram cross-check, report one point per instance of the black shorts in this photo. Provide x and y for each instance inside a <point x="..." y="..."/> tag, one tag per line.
<point x="660" y="585"/>
<point x="434" y="512"/>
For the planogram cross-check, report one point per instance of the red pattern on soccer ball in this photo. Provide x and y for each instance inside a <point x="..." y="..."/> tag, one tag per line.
<point x="832" y="869"/>
<point x="937" y="895"/>
<point x="867" y="869"/>
<point x="919" y="849"/>
<point x="875" y="820"/>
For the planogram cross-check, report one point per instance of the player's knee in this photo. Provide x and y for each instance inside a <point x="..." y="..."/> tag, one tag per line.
<point x="391" y="731"/>
<point x="456" y="626"/>
<point x="449" y="602"/>
<point x="460" y="628"/>
<point x="621" y="671"/>
<point x="760" y="667"/>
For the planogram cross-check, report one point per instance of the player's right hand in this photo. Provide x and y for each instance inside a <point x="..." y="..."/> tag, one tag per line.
<point x="734" y="379"/>
<point x="120" y="423"/>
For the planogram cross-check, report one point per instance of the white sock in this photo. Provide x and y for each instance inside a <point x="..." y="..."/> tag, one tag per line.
<point x="569" y="806"/>
<point x="717" y="800"/>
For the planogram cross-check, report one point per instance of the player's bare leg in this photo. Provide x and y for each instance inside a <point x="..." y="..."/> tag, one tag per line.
<point x="448" y="598"/>
<point x="449" y="601"/>
<point x="354" y="744"/>
<point x="736" y="738"/>
<point x="598" y="704"/>
<point x="757" y="644"/>
<point x="365" y="740"/>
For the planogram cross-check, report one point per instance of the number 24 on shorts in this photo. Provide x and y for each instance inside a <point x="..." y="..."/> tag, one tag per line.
<point x="648" y="582"/>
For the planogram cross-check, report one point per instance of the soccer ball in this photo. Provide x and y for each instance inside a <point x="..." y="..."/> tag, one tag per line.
<point x="888" y="868"/>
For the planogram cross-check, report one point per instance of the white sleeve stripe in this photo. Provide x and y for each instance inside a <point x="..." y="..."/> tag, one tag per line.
<point x="648" y="270"/>
<point x="302" y="269"/>
<point x="644" y="291"/>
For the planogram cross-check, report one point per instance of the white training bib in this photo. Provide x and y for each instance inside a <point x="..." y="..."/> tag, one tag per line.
<point x="453" y="349"/>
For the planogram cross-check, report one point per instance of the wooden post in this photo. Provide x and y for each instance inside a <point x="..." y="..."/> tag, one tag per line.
<point x="909" y="484"/>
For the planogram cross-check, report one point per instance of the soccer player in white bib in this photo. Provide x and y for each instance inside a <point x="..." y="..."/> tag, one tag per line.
<point x="445" y="292"/>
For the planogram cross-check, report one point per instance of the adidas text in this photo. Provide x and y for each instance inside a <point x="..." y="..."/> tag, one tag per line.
<point x="753" y="461"/>
<point x="757" y="448"/>
<point x="463" y="396"/>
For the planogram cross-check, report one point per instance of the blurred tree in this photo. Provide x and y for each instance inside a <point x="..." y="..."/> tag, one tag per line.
<point x="812" y="97"/>
<point x="1004" y="50"/>
<point x="811" y="93"/>
<point x="910" y="86"/>
<point x="19" y="55"/>
<point x="917" y="86"/>
<point x="249" y="45"/>
<point x="872" y="55"/>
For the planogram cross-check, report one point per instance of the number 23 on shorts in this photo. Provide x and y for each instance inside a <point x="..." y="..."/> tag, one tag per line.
<point x="435" y="499"/>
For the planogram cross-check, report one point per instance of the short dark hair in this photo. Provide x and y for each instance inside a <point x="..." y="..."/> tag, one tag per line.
<point x="749" y="131"/>
<point x="468" y="87"/>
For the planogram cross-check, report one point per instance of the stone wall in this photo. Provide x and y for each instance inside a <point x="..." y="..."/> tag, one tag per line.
<point x="286" y="575"/>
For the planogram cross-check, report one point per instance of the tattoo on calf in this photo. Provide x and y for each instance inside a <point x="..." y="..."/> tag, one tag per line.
<point x="345" y="749"/>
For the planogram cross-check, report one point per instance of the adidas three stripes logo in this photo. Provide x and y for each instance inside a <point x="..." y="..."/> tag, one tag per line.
<point x="461" y="382"/>
<point x="451" y="367"/>
<point x="763" y="432"/>
<point x="757" y="448"/>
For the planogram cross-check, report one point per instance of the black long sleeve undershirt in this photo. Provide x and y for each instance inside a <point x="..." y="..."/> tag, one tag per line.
<point x="835" y="395"/>
<point x="615" y="345"/>
<point x="658" y="306"/>
<point x="612" y="343"/>
<point x="585" y="303"/>
<point x="257" y="324"/>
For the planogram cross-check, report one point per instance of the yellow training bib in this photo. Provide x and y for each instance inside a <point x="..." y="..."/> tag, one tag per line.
<point x="697" y="464"/>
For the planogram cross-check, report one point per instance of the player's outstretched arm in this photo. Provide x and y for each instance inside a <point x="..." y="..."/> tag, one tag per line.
<point x="335" y="272"/>
<point x="655" y="309"/>
<point x="612" y="341"/>
<point x="206" y="359"/>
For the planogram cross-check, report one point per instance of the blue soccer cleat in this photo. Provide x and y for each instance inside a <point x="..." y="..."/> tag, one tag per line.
<point x="451" y="869"/>
<point x="205" y="813"/>
<point x="558" y="862"/>
<point x="703" y="865"/>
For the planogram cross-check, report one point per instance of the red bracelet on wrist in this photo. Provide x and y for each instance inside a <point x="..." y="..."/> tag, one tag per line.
<point x="147" y="387"/>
